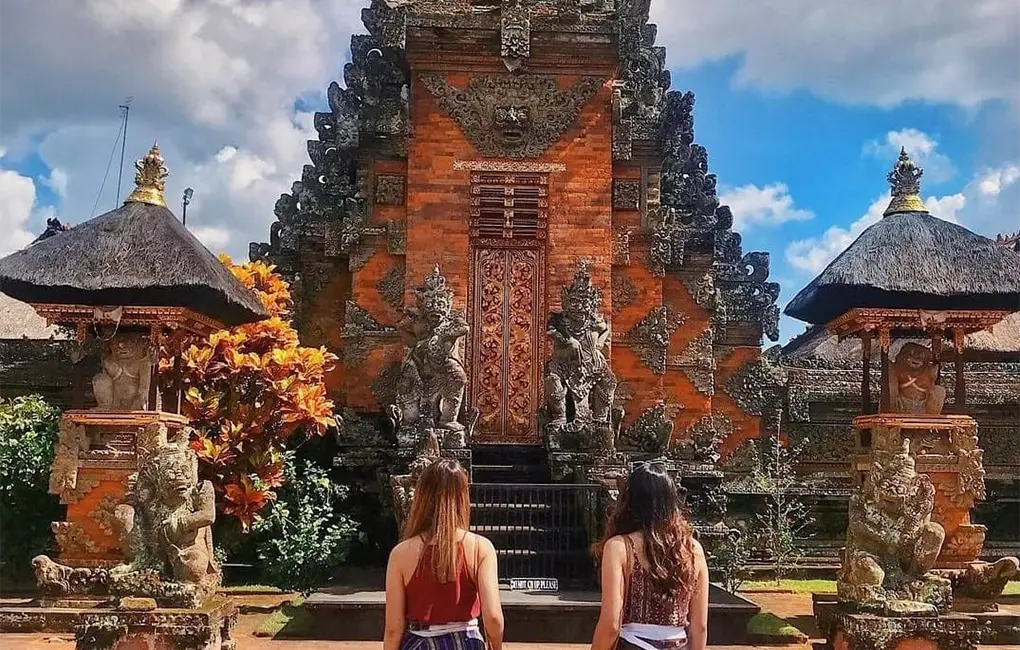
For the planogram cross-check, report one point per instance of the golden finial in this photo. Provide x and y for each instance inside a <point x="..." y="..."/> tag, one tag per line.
<point x="150" y="179"/>
<point x="905" y="179"/>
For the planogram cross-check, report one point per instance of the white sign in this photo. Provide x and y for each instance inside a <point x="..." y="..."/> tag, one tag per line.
<point x="534" y="584"/>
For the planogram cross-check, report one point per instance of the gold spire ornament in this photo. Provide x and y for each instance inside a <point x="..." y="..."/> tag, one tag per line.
<point x="150" y="179"/>
<point x="905" y="179"/>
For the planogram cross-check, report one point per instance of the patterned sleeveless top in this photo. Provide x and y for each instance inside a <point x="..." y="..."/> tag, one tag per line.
<point x="645" y="604"/>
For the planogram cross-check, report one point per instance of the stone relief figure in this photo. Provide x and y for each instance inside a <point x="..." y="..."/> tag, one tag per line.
<point x="126" y="372"/>
<point x="579" y="384"/>
<point x="912" y="382"/>
<point x="166" y="528"/>
<point x="892" y="543"/>
<point x="403" y="486"/>
<point x="430" y="389"/>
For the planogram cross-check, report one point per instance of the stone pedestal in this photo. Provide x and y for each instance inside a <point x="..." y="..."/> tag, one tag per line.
<point x="206" y="628"/>
<point x="946" y="449"/>
<point x="95" y="454"/>
<point x="846" y="630"/>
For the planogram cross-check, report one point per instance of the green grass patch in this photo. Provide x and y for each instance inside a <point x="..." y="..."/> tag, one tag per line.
<point x="291" y="620"/>
<point x="251" y="589"/>
<point x="1012" y="589"/>
<point x="770" y="626"/>
<point x="796" y="586"/>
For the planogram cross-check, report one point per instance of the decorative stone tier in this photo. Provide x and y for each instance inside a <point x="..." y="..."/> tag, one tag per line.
<point x="95" y="454"/>
<point x="946" y="449"/>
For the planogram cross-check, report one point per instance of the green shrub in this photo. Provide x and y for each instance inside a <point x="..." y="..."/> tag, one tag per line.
<point x="302" y="538"/>
<point x="28" y="431"/>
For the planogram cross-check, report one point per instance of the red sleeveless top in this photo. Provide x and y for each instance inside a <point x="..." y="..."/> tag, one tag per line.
<point x="430" y="602"/>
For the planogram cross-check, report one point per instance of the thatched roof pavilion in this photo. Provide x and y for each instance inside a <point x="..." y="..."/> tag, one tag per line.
<point x="139" y="254"/>
<point x="912" y="260"/>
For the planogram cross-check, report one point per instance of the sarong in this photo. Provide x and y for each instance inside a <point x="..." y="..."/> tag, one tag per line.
<point x="640" y="636"/>
<point x="456" y="636"/>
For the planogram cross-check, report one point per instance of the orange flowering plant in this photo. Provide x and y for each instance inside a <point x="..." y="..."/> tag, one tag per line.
<point x="249" y="389"/>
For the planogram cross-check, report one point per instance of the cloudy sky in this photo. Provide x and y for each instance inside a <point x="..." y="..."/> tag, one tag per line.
<point x="803" y="105"/>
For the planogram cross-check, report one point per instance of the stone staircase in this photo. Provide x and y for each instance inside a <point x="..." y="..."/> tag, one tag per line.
<point x="538" y="527"/>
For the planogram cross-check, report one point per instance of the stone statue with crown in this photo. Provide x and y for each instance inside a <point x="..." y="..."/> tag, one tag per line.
<point x="579" y="384"/>
<point x="430" y="389"/>
<point x="892" y="543"/>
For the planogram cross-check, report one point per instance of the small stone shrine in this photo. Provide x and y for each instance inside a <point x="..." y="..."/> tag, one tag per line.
<point x="911" y="565"/>
<point x="135" y="547"/>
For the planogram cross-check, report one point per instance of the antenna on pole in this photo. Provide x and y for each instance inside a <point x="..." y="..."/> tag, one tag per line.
<point x="125" y="109"/>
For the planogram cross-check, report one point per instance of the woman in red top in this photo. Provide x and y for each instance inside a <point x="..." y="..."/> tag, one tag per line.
<point x="654" y="575"/>
<point x="442" y="577"/>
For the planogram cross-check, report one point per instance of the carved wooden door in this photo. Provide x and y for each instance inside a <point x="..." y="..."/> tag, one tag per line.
<point x="508" y="234"/>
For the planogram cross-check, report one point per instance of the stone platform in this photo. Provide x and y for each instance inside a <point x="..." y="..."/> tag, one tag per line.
<point x="97" y="625"/>
<point x="565" y="617"/>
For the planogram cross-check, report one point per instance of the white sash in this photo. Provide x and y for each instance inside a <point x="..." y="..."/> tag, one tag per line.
<point x="471" y="627"/>
<point x="640" y="634"/>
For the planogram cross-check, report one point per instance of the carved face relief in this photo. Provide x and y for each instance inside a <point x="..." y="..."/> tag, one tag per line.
<point x="512" y="122"/>
<point x="129" y="347"/>
<point x="179" y="478"/>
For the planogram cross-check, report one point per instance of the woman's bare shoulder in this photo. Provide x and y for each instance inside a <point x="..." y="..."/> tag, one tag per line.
<point x="615" y="546"/>
<point x="407" y="549"/>
<point x="481" y="542"/>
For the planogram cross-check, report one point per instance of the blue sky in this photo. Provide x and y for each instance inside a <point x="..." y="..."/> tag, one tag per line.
<point x="801" y="104"/>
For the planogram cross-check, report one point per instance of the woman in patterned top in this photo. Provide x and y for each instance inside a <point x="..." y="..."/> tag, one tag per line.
<point x="654" y="575"/>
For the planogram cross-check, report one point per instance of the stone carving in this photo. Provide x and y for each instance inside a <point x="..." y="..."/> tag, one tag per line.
<point x="650" y="337"/>
<point x="515" y="35"/>
<point x="624" y="292"/>
<point x="72" y="442"/>
<point x="126" y="372"/>
<point x="701" y="441"/>
<point x="579" y="385"/>
<point x="651" y="432"/>
<point x="72" y="540"/>
<point x="517" y="116"/>
<point x="430" y="391"/>
<point x="403" y="486"/>
<point x="863" y="632"/>
<point x="701" y="289"/>
<point x="391" y="287"/>
<point x="982" y="582"/>
<point x="389" y="189"/>
<point x="621" y="247"/>
<point x="755" y="387"/>
<point x="56" y="580"/>
<point x="698" y="363"/>
<point x="626" y="194"/>
<point x="359" y="328"/>
<point x="912" y="382"/>
<point x="169" y="517"/>
<point x="892" y="543"/>
<point x="396" y="242"/>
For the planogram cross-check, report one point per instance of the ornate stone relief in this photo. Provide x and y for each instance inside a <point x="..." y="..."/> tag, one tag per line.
<point x="700" y="442"/>
<point x="72" y="441"/>
<point x="624" y="292"/>
<point x="512" y="167"/>
<point x="389" y="189"/>
<point x="650" y="337"/>
<point x="359" y="329"/>
<point x="72" y="539"/>
<point x="396" y="232"/>
<point x="518" y="116"/>
<point x="621" y="247"/>
<point x="360" y="257"/>
<point x="651" y="432"/>
<point x="623" y="395"/>
<point x="701" y="289"/>
<point x="391" y="287"/>
<point x="755" y="386"/>
<point x="626" y="194"/>
<point x="105" y="516"/>
<point x="515" y="35"/>
<point x="698" y="363"/>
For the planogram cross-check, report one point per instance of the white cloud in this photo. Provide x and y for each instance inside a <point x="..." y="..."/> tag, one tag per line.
<point x="993" y="181"/>
<point x="17" y="198"/>
<point x="921" y="147"/>
<point x="215" y="239"/>
<point x="813" y="255"/>
<point x="871" y="52"/>
<point x="768" y="206"/>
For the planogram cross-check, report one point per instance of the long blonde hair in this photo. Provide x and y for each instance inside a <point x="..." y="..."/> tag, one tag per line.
<point x="439" y="510"/>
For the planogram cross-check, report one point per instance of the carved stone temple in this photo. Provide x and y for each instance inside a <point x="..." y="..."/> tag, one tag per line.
<point x="135" y="564"/>
<point x="530" y="159"/>
<point x="911" y="566"/>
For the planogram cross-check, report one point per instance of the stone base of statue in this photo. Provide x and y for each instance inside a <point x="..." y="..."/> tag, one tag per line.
<point x="129" y="628"/>
<point x="978" y="586"/>
<point x="94" y="456"/>
<point x="847" y="630"/>
<point x="945" y="448"/>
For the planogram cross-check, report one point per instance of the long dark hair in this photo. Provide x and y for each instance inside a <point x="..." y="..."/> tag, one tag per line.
<point x="439" y="509"/>
<point x="650" y="503"/>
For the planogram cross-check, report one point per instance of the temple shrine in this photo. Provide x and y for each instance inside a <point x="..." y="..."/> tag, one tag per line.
<point x="511" y="192"/>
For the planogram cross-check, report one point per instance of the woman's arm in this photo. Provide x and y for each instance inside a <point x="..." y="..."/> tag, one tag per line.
<point x="488" y="592"/>
<point x="614" y="563"/>
<point x="697" y="631"/>
<point x="395" y="611"/>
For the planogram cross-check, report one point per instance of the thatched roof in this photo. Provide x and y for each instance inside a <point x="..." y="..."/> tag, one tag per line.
<point x="19" y="321"/>
<point x="913" y="260"/>
<point x="138" y="254"/>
